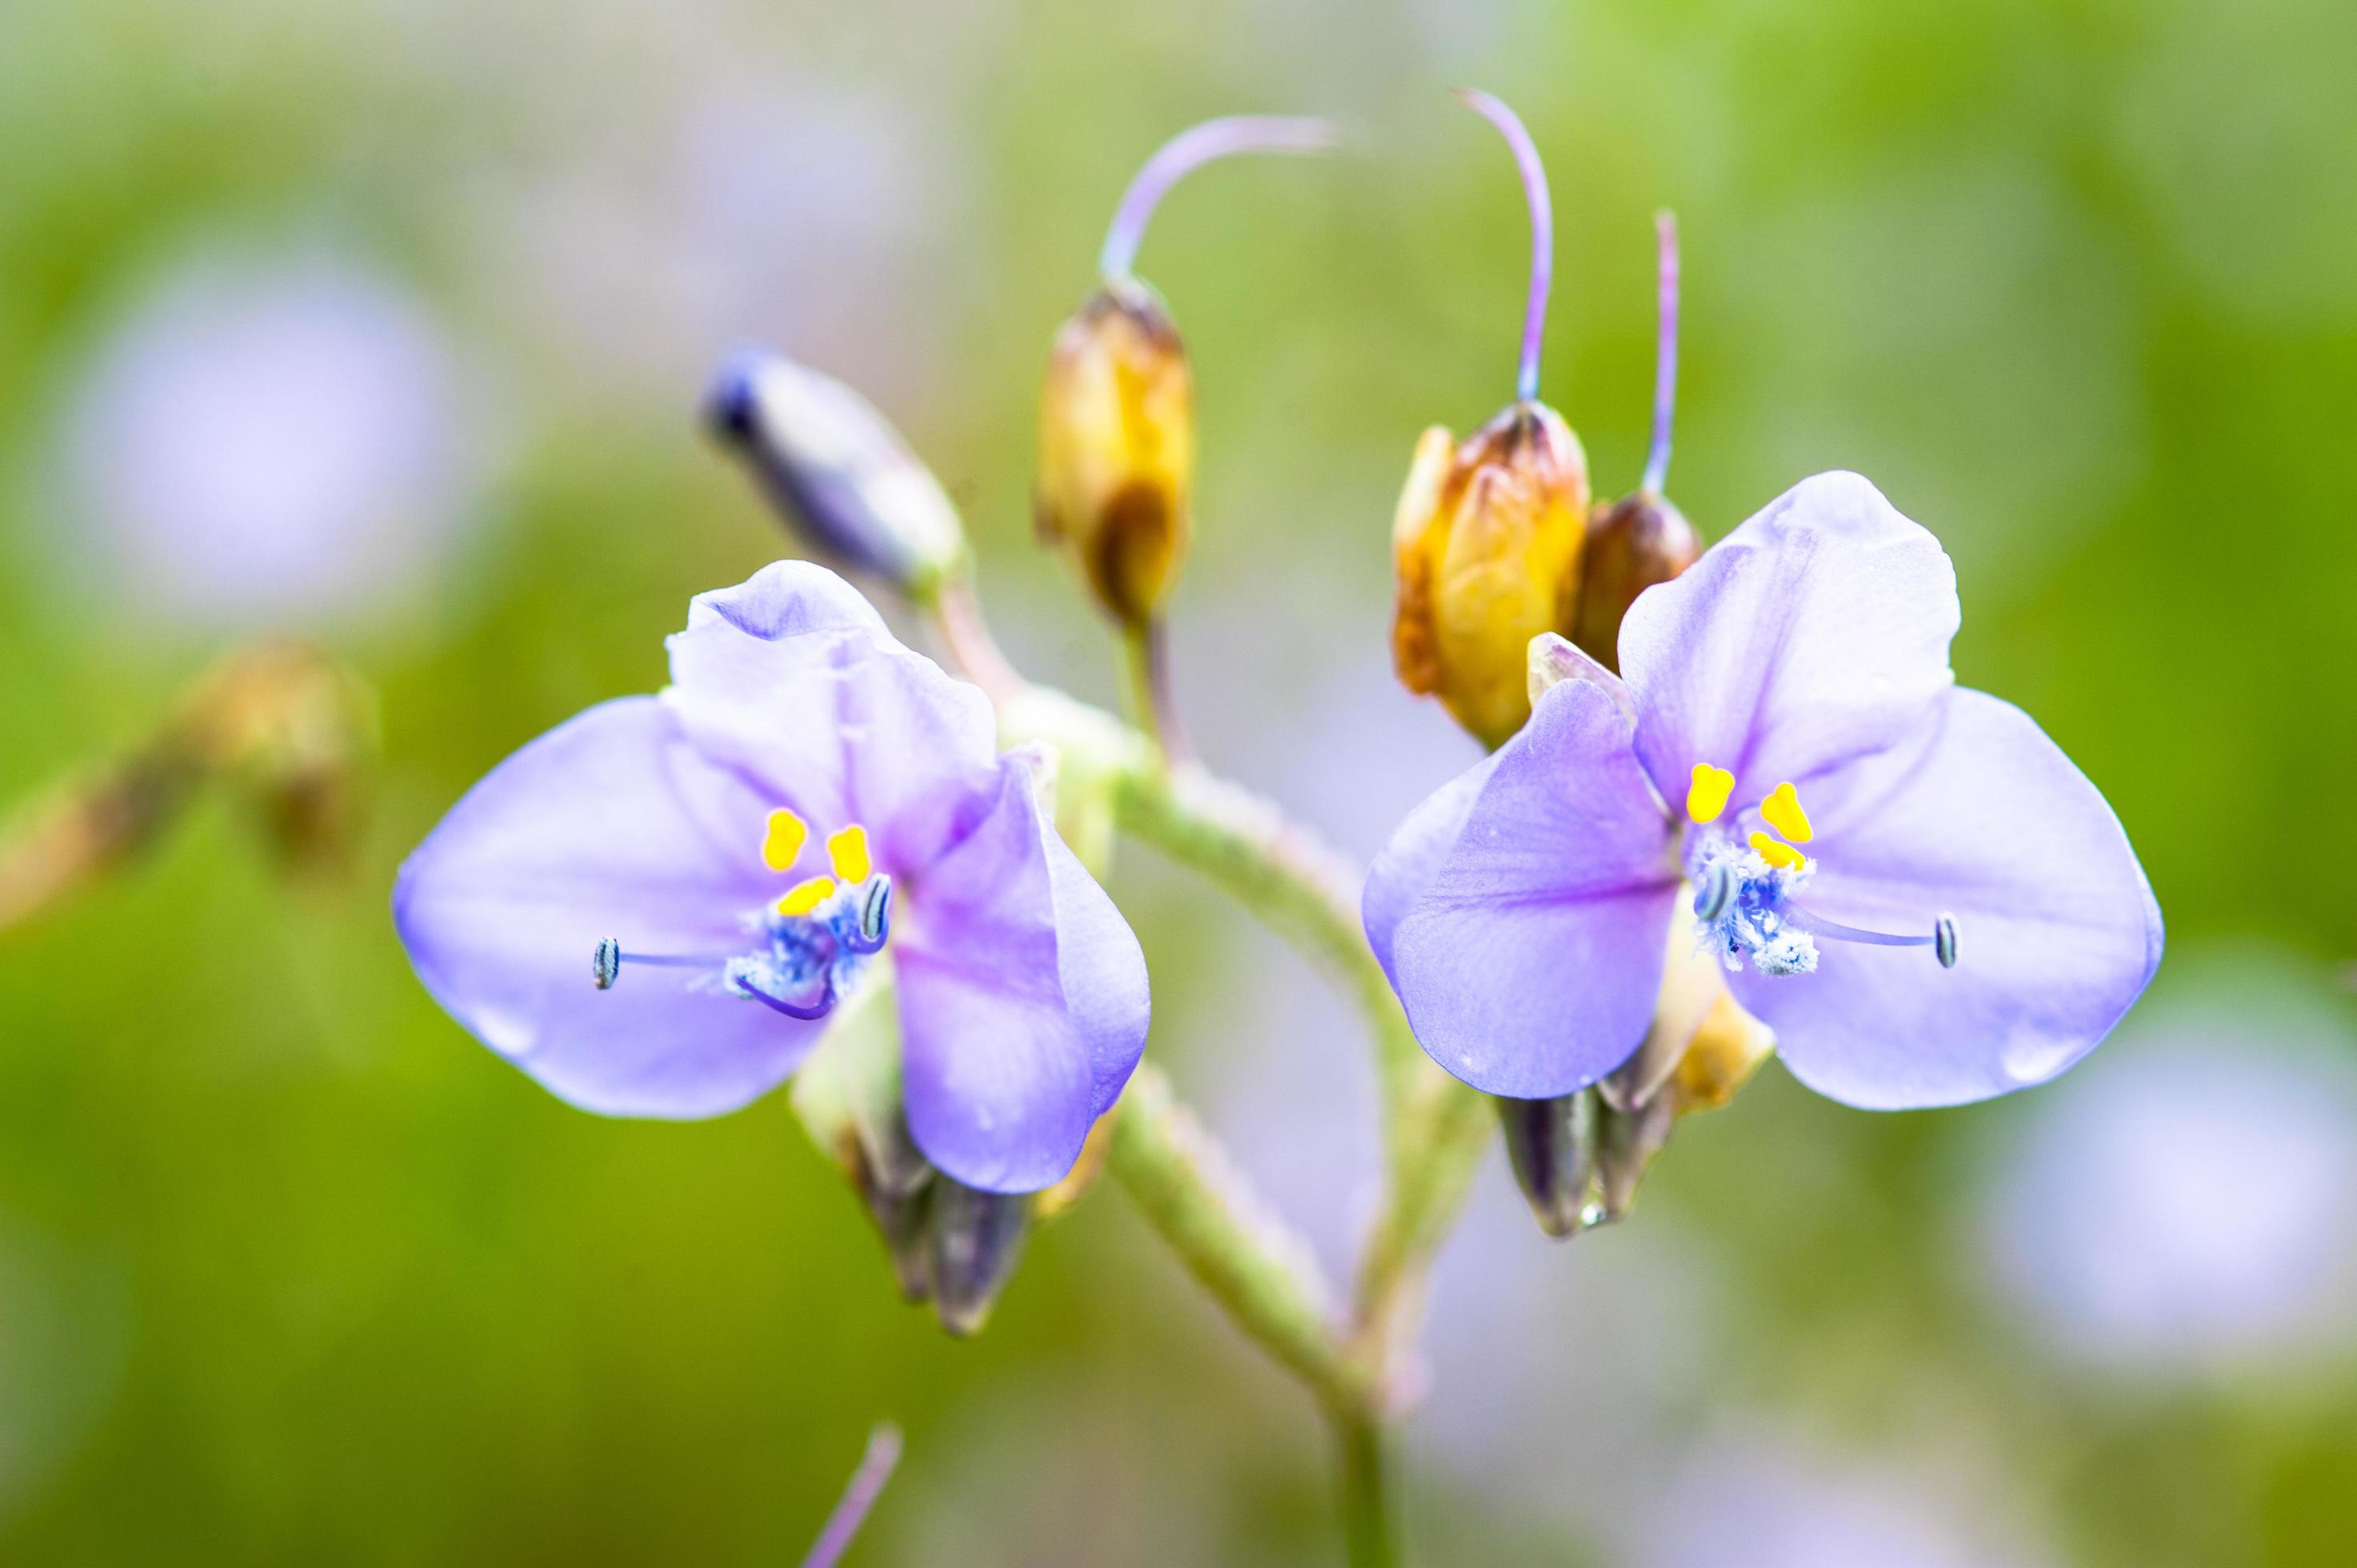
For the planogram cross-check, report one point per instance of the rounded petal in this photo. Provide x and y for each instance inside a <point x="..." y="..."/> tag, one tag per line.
<point x="792" y="676"/>
<point x="1530" y="965"/>
<point x="2057" y="932"/>
<point x="1813" y="635"/>
<point x="1023" y="999"/>
<point x="1413" y="856"/>
<point x="613" y="824"/>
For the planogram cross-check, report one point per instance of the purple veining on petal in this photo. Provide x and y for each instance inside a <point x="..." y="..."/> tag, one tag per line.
<point x="1529" y="965"/>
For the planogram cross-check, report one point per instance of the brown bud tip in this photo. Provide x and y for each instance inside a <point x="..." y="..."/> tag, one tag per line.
<point x="1117" y="450"/>
<point x="1632" y="544"/>
<point x="1487" y="542"/>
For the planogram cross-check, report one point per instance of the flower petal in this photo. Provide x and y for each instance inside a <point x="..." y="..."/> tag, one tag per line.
<point x="1413" y="856"/>
<point x="792" y="676"/>
<point x="1815" y="634"/>
<point x="1530" y="965"/>
<point x="610" y="825"/>
<point x="1023" y="999"/>
<point x="2057" y="929"/>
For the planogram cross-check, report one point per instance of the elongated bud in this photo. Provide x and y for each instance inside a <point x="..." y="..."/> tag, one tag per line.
<point x="1116" y="481"/>
<point x="1640" y="540"/>
<point x="837" y="472"/>
<point x="977" y="1238"/>
<point x="1486" y="544"/>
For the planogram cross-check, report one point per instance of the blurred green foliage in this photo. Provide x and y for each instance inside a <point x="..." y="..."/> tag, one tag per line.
<point x="292" y="1271"/>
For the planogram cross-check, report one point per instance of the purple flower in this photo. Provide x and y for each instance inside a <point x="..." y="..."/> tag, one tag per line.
<point x="1976" y="922"/>
<point x="726" y="859"/>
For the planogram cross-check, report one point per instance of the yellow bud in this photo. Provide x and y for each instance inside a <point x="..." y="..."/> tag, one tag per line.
<point x="1117" y="449"/>
<point x="1631" y="546"/>
<point x="1487" y="542"/>
<point x="1726" y="1050"/>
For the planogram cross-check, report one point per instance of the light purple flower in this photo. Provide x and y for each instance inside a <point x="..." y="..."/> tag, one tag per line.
<point x="273" y="441"/>
<point x="685" y="841"/>
<point x="1968" y="918"/>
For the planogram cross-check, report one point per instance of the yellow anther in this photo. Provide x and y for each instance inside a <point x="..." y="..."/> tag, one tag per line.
<point x="1706" y="796"/>
<point x="848" y="851"/>
<point x="1782" y="810"/>
<point x="784" y="840"/>
<point x="806" y="896"/>
<point x="1782" y="856"/>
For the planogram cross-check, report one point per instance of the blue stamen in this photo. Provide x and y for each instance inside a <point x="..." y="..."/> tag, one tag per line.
<point x="819" y="954"/>
<point x="819" y="1009"/>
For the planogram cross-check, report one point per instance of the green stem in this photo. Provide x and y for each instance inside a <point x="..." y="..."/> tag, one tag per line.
<point x="1297" y="886"/>
<point x="1257" y="1268"/>
<point x="1435" y="1128"/>
<point x="1367" y="1524"/>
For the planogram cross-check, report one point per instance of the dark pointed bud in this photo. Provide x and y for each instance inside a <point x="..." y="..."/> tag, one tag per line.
<point x="1551" y="1144"/>
<point x="1117" y="450"/>
<point x="1635" y="543"/>
<point x="1487" y="543"/>
<point x="977" y="1238"/>
<point x="899" y="1215"/>
<point x="837" y="472"/>
<point x="1626" y="1142"/>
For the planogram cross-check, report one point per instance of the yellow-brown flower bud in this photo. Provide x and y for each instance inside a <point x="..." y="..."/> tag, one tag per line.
<point x="1487" y="542"/>
<point x="1632" y="544"/>
<point x="1117" y="450"/>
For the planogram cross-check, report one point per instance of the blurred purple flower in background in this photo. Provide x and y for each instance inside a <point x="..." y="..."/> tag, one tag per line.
<point x="1520" y="910"/>
<point x="680" y="834"/>
<point x="267" y="442"/>
<point x="2190" y="1208"/>
<point x="1769" y="1501"/>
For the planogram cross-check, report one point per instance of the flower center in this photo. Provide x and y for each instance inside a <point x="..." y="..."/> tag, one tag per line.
<point x="1744" y="903"/>
<point x="811" y="943"/>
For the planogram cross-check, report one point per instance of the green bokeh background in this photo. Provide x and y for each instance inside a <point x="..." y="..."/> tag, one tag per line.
<point x="293" y="1271"/>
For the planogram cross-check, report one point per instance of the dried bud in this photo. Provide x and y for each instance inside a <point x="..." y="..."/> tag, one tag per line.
<point x="836" y="470"/>
<point x="1635" y="543"/>
<point x="1487" y="542"/>
<point x="283" y="725"/>
<point x="1117" y="450"/>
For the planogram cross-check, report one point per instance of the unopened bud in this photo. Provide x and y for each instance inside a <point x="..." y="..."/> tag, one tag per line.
<point x="977" y="1238"/>
<point x="1117" y="450"/>
<point x="1551" y="1145"/>
<point x="836" y="470"/>
<point x="1637" y="541"/>
<point x="1487" y="542"/>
